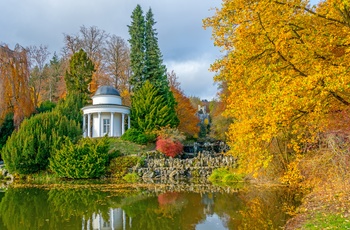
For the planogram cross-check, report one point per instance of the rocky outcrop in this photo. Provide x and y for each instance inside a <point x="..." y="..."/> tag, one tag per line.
<point x="202" y="165"/>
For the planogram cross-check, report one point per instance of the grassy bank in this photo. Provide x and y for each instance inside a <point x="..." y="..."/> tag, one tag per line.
<point x="326" y="207"/>
<point x="326" y="179"/>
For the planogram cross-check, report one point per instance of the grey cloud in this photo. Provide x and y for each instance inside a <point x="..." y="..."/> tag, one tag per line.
<point x="194" y="76"/>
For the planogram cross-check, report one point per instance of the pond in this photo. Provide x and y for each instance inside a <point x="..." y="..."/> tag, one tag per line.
<point x="87" y="207"/>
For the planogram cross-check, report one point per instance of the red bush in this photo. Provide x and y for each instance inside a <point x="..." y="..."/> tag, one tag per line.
<point x="169" y="147"/>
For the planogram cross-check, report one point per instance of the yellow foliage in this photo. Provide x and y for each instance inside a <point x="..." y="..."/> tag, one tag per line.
<point x="255" y="212"/>
<point x="292" y="176"/>
<point x="286" y="66"/>
<point x="206" y="121"/>
<point x="125" y="94"/>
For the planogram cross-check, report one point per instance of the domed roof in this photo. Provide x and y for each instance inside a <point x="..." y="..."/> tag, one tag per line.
<point x="107" y="90"/>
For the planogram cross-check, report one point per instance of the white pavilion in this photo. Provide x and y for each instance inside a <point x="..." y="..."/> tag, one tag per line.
<point x="106" y="115"/>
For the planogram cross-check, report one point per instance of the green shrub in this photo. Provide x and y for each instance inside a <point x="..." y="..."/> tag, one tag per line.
<point x="46" y="106"/>
<point x="226" y="176"/>
<point x="87" y="159"/>
<point x="218" y="174"/>
<point x="113" y="153"/>
<point x="152" y="109"/>
<point x="137" y="136"/>
<point x="131" y="177"/>
<point x="119" y="166"/>
<point x="233" y="177"/>
<point x="28" y="149"/>
<point x="71" y="107"/>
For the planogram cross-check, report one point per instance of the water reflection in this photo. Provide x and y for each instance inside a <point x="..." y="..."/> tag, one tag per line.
<point x="212" y="222"/>
<point x="33" y="208"/>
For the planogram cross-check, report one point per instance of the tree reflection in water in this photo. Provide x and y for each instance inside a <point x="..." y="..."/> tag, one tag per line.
<point x="34" y="208"/>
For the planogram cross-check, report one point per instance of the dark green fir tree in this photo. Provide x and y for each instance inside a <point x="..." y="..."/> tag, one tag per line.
<point x="137" y="48"/>
<point x="153" y="70"/>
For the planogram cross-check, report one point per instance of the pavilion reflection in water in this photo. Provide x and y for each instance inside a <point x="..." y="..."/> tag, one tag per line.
<point x="118" y="220"/>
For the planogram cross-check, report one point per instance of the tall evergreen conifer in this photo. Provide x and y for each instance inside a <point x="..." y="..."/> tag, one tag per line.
<point x="137" y="47"/>
<point x="153" y="69"/>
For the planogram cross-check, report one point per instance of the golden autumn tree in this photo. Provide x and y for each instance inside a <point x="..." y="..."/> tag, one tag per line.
<point x="15" y="94"/>
<point x="286" y="67"/>
<point x="184" y="109"/>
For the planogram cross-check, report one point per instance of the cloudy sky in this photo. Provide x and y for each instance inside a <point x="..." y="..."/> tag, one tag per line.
<point x="186" y="47"/>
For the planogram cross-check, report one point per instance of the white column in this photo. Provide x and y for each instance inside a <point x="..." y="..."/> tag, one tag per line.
<point x="84" y="126"/>
<point x="111" y="214"/>
<point x="124" y="220"/>
<point x="99" y="221"/>
<point x="123" y="123"/>
<point x="99" y="125"/>
<point x="111" y="128"/>
<point x="128" y="121"/>
<point x="83" y="220"/>
<point x="89" y="125"/>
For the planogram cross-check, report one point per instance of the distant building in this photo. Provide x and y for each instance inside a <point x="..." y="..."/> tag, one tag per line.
<point x="202" y="113"/>
<point x="106" y="115"/>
